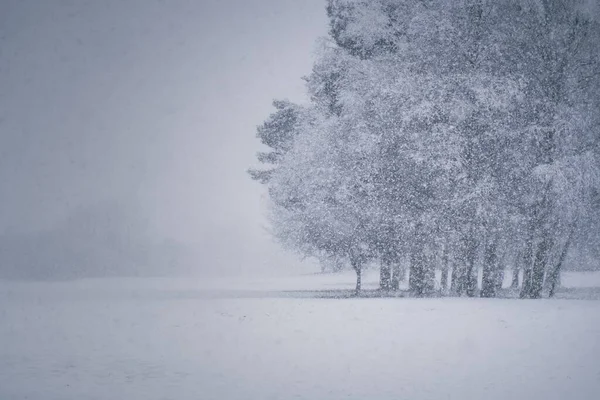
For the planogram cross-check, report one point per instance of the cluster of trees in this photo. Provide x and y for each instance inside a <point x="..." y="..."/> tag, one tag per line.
<point x="463" y="133"/>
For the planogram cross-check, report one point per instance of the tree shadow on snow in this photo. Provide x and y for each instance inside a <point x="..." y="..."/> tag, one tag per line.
<point x="591" y="293"/>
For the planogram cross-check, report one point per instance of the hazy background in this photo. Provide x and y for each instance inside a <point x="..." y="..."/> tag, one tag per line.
<point x="126" y="128"/>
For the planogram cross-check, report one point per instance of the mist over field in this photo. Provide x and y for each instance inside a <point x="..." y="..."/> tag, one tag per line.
<point x="135" y="120"/>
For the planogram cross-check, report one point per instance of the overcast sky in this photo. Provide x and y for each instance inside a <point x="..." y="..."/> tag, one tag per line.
<point x="152" y="104"/>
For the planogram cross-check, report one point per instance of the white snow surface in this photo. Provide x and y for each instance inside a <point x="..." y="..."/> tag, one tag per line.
<point x="143" y="339"/>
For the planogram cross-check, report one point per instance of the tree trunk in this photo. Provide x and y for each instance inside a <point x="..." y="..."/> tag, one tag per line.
<point x="454" y="281"/>
<point x="501" y="271"/>
<point x="429" y="276"/>
<point x="358" y="279"/>
<point x="429" y="272"/>
<point x="385" y="272"/>
<point x="444" y="278"/>
<point x="499" y="278"/>
<point x="554" y="276"/>
<point x="540" y="217"/>
<point x="526" y="286"/>
<point x="463" y="276"/>
<point x="555" y="280"/>
<point x="357" y="266"/>
<point x="471" y="272"/>
<point x="514" y="284"/>
<point x="445" y="266"/>
<point x="539" y="266"/>
<point x="416" y="279"/>
<point x="396" y="271"/>
<point x="460" y="281"/>
<point x="489" y="281"/>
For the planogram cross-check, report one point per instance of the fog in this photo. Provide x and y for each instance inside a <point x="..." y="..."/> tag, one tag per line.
<point x="132" y="124"/>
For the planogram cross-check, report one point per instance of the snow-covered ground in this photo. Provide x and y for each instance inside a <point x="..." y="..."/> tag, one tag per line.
<point x="142" y="339"/>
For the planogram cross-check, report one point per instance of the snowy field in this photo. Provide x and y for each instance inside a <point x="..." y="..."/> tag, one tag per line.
<point x="140" y="339"/>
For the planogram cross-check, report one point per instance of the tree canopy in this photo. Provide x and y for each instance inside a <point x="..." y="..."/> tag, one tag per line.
<point x="463" y="128"/>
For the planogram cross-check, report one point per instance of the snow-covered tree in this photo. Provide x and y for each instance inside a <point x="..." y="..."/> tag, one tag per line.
<point x="553" y="46"/>
<point x="441" y="127"/>
<point x="278" y="133"/>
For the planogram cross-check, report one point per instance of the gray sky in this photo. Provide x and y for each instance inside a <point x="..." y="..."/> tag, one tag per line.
<point x="149" y="103"/>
